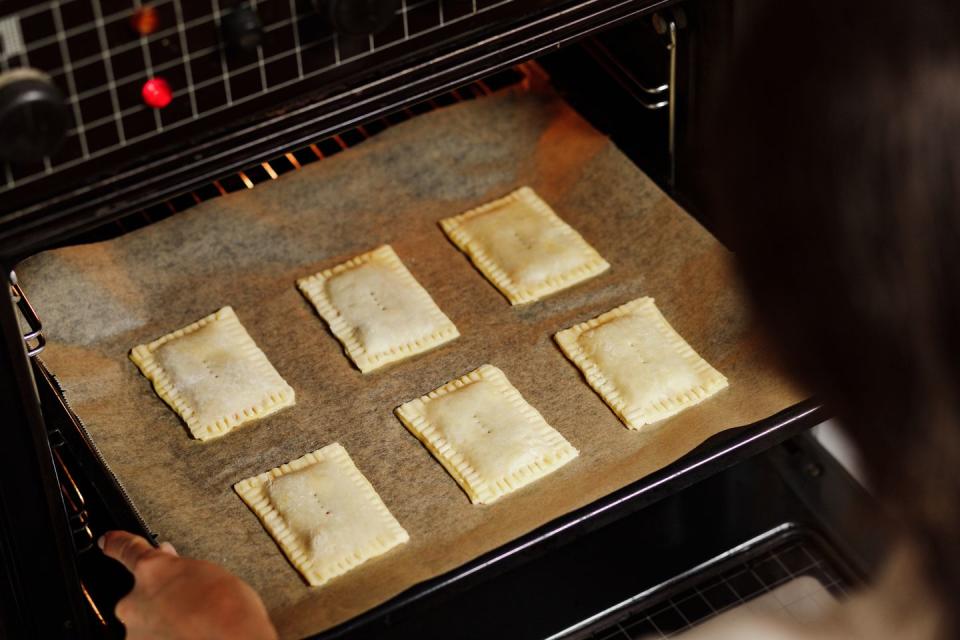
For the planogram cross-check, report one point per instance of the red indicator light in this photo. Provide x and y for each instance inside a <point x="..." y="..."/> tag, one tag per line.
<point x="144" y="20"/>
<point x="157" y="93"/>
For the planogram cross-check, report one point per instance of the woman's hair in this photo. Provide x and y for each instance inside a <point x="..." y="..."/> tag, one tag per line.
<point x="836" y="181"/>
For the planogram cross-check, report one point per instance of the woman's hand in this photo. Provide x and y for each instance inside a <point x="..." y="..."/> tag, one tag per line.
<point x="176" y="597"/>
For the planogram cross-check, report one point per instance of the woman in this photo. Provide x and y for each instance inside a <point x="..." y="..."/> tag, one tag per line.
<point x="839" y="191"/>
<point x="837" y="183"/>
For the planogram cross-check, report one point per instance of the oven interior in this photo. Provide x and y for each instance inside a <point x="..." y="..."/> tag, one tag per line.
<point x="724" y="528"/>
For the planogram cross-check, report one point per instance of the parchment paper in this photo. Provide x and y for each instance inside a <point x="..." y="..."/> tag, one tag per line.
<point x="247" y="249"/>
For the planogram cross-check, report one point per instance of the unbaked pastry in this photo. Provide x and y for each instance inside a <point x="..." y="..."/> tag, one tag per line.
<point x="638" y="364"/>
<point x="523" y="247"/>
<point x="323" y="512"/>
<point x="486" y="435"/>
<point x="213" y="375"/>
<point x="377" y="309"/>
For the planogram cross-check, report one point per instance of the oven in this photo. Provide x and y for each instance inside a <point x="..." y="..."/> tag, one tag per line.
<point x="118" y="115"/>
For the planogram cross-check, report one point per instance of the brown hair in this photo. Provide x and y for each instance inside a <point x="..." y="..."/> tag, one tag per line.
<point x="837" y="184"/>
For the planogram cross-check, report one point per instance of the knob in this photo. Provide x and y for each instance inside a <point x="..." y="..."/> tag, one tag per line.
<point x="361" y="17"/>
<point x="33" y="116"/>
<point x="242" y="28"/>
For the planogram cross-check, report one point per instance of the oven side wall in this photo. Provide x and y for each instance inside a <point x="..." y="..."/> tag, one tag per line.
<point x="41" y="598"/>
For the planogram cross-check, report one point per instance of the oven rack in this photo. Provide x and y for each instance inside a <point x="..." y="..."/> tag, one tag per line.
<point x="757" y="567"/>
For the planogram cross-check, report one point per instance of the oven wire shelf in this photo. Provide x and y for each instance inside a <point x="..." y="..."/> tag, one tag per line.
<point x="760" y="570"/>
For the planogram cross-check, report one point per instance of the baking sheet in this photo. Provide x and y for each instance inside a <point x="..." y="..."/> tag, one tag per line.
<point x="247" y="249"/>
